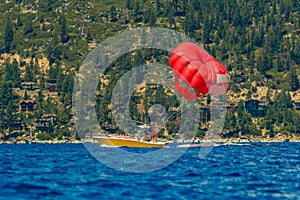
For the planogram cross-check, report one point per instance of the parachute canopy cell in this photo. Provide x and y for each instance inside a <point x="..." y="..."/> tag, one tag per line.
<point x="199" y="70"/>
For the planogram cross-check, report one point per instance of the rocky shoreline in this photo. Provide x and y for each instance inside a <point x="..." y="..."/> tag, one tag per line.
<point x="277" y="138"/>
<point x="41" y="142"/>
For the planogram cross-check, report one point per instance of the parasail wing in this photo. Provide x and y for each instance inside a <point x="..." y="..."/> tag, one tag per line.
<point x="198" y="70"/>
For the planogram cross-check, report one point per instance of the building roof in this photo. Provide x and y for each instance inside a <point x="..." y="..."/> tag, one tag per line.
<point x="27" y="102"/>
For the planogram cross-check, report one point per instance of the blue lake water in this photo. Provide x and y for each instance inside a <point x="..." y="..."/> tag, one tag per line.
<point x="69" y="171"/>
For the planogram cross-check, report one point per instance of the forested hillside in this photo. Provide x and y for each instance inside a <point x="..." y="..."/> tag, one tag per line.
<point x="43" y="43"/>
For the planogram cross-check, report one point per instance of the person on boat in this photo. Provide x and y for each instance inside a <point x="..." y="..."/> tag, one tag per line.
<point x="154" y="136"/>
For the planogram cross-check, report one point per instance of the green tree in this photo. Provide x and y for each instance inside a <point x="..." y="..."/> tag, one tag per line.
<point x="42" y="84"/>
<point x="19" y="22"/>
<point x="149" y="17"/>
<point x="49" y="5"/>
<point x="63" y="115"/>
<point x="46" y="5"/>
<point x="294" y="81"/>
<point x="230" y="122"/>
<point x="67" y="89"/>
<point x="129" y="4"/>
<point x="206" y="31"/>
<point x="54" y="51"/>
<point x="241" y="109"/>
<point x="8" y="35"/>
<point x="25" y="97"/>
<point x="49" y="106"/>
<point x="89" y="35"/>
<point x="52" y="72"/>
<point x="295" y="54"/>
<point x="137" y="11"/>
<point x="160" y="95"/>
<point x="59" y="80"/>
<point x="30" y="72"/>
<point x="113" y="14"/>
<point x="28" y="26"/>
<point x="8" y="106"/>
<point x="246" y="123"/>
<point x="64" y="37"/>
<point x="12" y="73"/>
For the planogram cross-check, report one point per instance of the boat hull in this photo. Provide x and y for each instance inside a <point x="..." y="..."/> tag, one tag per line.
<point x="128" y="143"/>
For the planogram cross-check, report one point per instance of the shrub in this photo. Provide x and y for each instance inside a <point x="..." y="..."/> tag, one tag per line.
<point x="43" y="136"/>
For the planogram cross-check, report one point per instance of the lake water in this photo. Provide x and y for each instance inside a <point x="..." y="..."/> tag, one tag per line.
<point x="69" y="171"/>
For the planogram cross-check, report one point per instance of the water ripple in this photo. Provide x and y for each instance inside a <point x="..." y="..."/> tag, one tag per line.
<point x="68" y="171"/>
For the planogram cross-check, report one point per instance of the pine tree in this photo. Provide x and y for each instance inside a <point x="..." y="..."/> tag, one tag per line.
<point x="295" y="54"/>
<point x="113" y="14"/>
<point x="26" y="97"/>
<point x="28" y="26"/>
<point x="138" y="59"/>
<point x="8" y="35"/>
<point x="89" y="35"/>
<point x="48" y="106"/>
<point x="19" y="22"/>
<point x="12" y="73"/>
<point x="64" y="37"/>
<point x="67" y="89"/>
<point x="294" y="81"/>
<point x="241" y="109"/>
<point x="15" y="77"/>
<point x="206" y="31"/>
<point x="42" y="85"/>
<point x="63" y="116"/>
<point x="137" y="11"/>
<point x="152" y="19"/>
<point x="68" y="83"/>
<point x="49" y="5"/>
<point x="229" y="121"/>
<point x="246" y="123"/>
<point x="59" y="79"/>
<point x="160" y="95"/>
<point x="52" y="73"/>
<point x="129" y="4"/>
<point x="8" y="106"/>
<point x="40" y="97"/>
<point x="30" y="72"/>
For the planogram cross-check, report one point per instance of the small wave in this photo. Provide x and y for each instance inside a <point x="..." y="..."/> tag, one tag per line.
<point x="26" y="186"/>
<point x="191" y="145"/>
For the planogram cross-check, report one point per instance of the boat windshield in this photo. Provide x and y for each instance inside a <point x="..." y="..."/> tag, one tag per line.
<point x="144" y="132"/>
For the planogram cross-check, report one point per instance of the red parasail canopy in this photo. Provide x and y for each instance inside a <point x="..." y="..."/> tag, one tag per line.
<point x="199" y="70"/>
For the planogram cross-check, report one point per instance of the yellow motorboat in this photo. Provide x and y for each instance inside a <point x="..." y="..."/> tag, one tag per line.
<point x="143" y="139"/>
<point x="127" y="142"/>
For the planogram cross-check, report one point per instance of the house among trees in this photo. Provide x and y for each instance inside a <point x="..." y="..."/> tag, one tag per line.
<point x="297" y="105"/>
<point x="27" y="105"/>
<point x="51" y="85"/>
<point x="29" y="86"/>
<point x="256" y="108"/>
<point x="231" y="107"/>
<point x="46" y="122"/>
<point x="17" y="125"/>
<point x="205" y="113"/>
